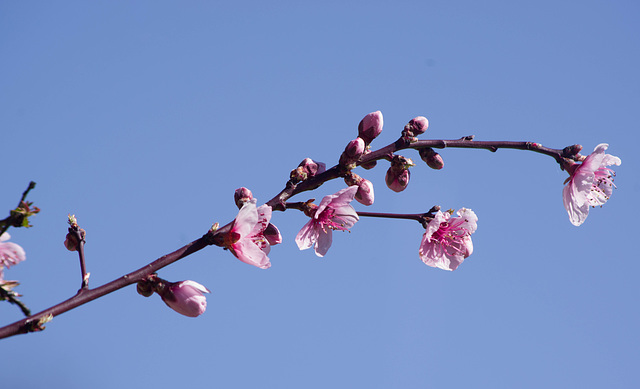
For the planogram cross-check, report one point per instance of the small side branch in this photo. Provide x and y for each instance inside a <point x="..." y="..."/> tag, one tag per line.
<point x="10" y="296"/>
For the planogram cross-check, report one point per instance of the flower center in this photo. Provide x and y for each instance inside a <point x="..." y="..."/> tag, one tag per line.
<point x="329" y="219"/>
<point x="450" y="235"/>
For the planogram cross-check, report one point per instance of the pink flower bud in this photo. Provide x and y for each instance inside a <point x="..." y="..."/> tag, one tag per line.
<point x="397" y="177"/>
<point x="433" y="159"/>
<point x="416" y="126"/>
<point x="572" y="150"/>
<point x="312" y="167"/>
<point x="397" y="181"/>
<point x="370" y="126"/>
<point x="185" y="297"/>
<point x="307" y="169"/>
<point x="352" y="152"/>
<point x="71" y="242"/>
<point x="242" y="196"/>
<point x="364" y="195"/>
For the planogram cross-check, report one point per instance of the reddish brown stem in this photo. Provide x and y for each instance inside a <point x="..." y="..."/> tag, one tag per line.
<point x="278" y="203"/>
<point x="85" y="295"/>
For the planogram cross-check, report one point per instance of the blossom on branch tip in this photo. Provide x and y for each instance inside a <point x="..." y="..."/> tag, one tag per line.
<point x="447" y="240"/>
<point x="247" y="240"/>
<point x="334" y="213"/>
<point x="590" y="184"/>
<point x="185" y="297"/>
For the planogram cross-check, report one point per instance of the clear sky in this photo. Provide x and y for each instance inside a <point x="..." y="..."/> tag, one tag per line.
<point x="142" y="118"/>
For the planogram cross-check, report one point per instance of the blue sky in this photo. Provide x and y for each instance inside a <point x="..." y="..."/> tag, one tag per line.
<point x="142" y="118"/>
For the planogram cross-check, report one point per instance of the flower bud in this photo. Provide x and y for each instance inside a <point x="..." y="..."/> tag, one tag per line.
<point x="364" y="195"/>
<point x="71" y="242"/>
<point x="572" y="150"/>
<point x="185" y="297"/>
<point x="352" y="152"/>
<point x="307" y="169"/>
<point x="312" y="167"/>
<point x="397" y="177"/>
<point x="397" y="181"/>
<point x="370" y="126"/>
<point x="242" y="196"/>
<point x="416" y="126"/>
<point x="433" y="159"/>
<point x="144" y="288"/>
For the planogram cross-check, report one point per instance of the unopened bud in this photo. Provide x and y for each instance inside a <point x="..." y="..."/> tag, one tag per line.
<point x="144" y="288"/>
<point x="307" y="169"/>
<point x="397" y="181"/>
<point x="312" y="167"/>
<point x="433" y="159"/>
<point x="185" y="297"/>
<point x="71" y="242"/>
<point x="416" y="126"/>
<point x="397" y="177"/>
<point x="352" y="152"/>
<point x="370" y="126"/>
<point x="242" y="196"/>
<point x="572" y="150"/>
<point x="364" y="195"/>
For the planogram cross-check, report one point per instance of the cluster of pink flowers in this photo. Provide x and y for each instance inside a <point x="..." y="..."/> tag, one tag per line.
<point x="590" y="184"/>
<point x="10" y="254"/>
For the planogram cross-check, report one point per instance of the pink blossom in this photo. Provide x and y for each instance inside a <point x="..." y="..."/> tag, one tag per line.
<point x="247" y="240"/>
<point x="590" y="184"/>
<point x="10" y="253"/>
<point x="334" y="213"/>
<point x="447" y="240"/>
<point x="185" y="297"/>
